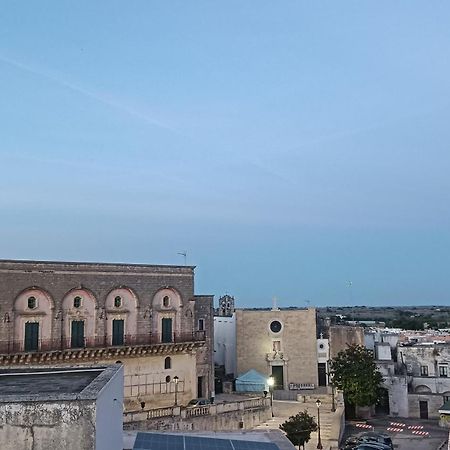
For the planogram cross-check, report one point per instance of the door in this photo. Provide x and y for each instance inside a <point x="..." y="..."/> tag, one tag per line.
<point x="117" y="332"/>
<point x="31" y="336"/>
<point x="199" y="387"/>
<point x="166" y="330"/>
<point x="77" y="334"/>
<point x="277" y="373"/>
<point x="423" y="407"/>
<point x="322" y="368"/>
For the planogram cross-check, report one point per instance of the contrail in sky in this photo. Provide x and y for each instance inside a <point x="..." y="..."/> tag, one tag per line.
<point x="88" y="93"/>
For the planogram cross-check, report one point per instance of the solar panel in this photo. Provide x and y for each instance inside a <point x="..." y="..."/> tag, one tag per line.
<point x="157" y="441"/>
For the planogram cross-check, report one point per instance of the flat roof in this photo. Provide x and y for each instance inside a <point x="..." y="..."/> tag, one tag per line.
<point x="93" y="264"/>
<point x="17" y="385"/>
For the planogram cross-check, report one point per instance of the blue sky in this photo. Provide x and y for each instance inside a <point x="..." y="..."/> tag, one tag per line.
<point x="288" y="147"/>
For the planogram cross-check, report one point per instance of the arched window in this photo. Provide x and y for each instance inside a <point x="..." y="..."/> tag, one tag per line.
<point x="118" y="301"/>
<point x="166" y="301"/>
<point x="168" y="363"/>
<point x="77" y="302"/>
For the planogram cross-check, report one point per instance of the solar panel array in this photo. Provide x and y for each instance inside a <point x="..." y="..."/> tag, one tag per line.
<point x="155" y="441"/>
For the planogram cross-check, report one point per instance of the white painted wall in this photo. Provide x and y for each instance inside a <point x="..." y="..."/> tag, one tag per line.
<point x="109" y="415"/>
<point x="323" y="350"/>
<point x="225" y="343"/>
<point x="383" y="351"/>
<point x="398" y="396"/>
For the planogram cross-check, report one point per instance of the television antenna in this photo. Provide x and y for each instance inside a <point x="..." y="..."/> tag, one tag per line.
<point x="184" y="254"/>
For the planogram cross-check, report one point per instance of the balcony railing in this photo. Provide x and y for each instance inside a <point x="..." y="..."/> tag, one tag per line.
<point x="45" y="345"/>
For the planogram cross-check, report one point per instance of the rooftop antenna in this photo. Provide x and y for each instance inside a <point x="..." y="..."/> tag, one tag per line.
<point x="184" y="254"/>
<point x="350" y="298"/>
<point x="274" y="304"/>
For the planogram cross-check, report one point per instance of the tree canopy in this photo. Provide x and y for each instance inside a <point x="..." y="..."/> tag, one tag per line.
<point x="354" y="372"/>
<point x="298" y="428"/>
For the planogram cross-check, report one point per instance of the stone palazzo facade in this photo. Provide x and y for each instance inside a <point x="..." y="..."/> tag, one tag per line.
<point x="146" y="317"/>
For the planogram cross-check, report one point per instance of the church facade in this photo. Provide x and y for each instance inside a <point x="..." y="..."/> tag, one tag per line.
<point x="146" y="317"/>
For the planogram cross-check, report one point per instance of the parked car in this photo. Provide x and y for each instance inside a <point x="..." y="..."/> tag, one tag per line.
<point x="369" y="440"/>
<point x="380" y="438"/>
<point x="371" y="446"/>
<point x="196" y="402"/>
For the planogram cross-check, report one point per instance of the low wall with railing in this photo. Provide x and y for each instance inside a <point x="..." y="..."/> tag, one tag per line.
<point x="242" y="414"/>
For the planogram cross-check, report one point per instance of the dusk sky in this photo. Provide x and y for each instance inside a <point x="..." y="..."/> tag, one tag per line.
<point x="288" y="147"/>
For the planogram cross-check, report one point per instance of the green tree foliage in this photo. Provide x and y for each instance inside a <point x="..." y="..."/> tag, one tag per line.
<point x="355" y="373"/>
<point x="298" y="428"/>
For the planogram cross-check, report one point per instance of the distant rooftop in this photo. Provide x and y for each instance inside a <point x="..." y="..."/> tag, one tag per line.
<point x="54" y="384"/>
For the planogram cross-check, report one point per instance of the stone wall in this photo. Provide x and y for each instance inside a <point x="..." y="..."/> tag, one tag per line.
<point x="293" y="347"/>
<point x="434" y="404"/>
<point x="343" y="336"/>
<point x="218" y="417"/>
<point x="204" y="310"/>
<point x="47" y="425"/>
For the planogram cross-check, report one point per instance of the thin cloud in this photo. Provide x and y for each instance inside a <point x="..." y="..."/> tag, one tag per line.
<point x="108" y="101"/>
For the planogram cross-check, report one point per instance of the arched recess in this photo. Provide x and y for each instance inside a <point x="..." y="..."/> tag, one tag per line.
<point x="121" y="306"/>
<point x="422" y="389"/>
<point x="78" y="306"/>
<point x="33" y="313"/>
<point x="166" y="319"/>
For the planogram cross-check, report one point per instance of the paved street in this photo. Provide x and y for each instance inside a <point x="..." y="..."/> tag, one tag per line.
<point x="406" y="440"/>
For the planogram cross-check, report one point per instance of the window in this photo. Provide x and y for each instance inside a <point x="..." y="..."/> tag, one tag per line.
<point x="423" y="371"/>
<point x="201" y="324"/>
<point x="446" y="398"/>
<point x="167" y="379"/>
<point x="275" y="326"/>
<point x="443" y="371"/>
<point x="276" y="346"/>
<point x="118" y="301"/>
<point x="166" y="301"/>
<point x="167" y="363"/>
<point x="77" y="302"/>
<point x="32" y="302"/>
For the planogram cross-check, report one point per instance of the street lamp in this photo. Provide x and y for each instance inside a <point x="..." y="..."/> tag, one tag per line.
<point x="330" y="382"/>
<point x="175" y="380"/>
<point x="319" y="441"/>
<point x="271" y="382"/>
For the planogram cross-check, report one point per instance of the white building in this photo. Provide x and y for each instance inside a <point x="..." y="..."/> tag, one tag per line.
<point x="72" y="408"/>
<point x="225" y="343"/>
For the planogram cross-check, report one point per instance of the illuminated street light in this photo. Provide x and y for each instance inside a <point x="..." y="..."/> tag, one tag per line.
<point x="271" y="382"/>
<point x="175" y="380"/>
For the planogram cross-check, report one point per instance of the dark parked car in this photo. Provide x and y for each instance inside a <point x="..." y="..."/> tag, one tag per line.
<point x="369" y="440"/>
<point x="380" y="438"/>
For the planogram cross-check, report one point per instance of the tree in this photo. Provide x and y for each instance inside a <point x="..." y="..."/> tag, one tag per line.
<point x="355" y="373"/>
<point x="298" y="428"/>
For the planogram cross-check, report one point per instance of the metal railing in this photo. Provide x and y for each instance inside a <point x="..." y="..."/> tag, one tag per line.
<point x="45" y="345"/>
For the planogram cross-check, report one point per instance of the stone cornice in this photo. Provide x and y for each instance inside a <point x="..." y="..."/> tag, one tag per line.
<point x="88" y="354"/>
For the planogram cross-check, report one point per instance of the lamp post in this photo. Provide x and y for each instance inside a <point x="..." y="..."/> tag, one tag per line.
<point x="175" y="380"/>
<point x="319" y="441"/>
<point x="271" y="382"/>
<point x="330" y="382"/>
